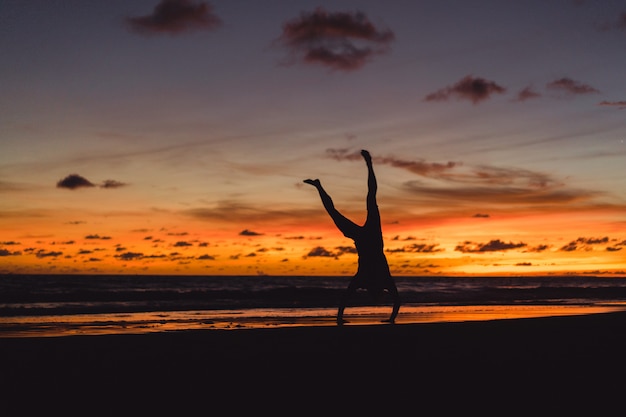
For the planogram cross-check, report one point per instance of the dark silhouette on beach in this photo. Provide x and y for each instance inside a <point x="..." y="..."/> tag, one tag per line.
<point x="373" y="271"/>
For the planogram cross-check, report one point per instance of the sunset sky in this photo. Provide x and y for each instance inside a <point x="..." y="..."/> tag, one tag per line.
<point x="172" y="137"/>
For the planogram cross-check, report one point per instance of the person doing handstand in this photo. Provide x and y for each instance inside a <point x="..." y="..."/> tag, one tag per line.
<point x="373" y="270"/>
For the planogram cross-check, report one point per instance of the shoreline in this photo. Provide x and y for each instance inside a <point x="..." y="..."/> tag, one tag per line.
<point x="539" y="365"/>
<point x="266" y="318"/>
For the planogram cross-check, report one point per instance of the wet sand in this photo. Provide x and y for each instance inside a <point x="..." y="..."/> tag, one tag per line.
<point x="540" y="366"/>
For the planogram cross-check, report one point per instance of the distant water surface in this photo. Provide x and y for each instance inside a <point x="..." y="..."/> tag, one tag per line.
<point x="54" y="305"/>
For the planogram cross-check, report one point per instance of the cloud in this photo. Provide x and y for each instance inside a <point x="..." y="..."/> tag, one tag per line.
<point x="320" y="251"/>
<point x="96" y="236"/>
<point x="479" y="184"/>
<point x="538" y="248"/>
<point x="182" y="243"/>
<point x="6" y="252"/>
<point x="112" y="184"/>
<point x="420" y="167"/>
<point x="621" y="23"/>
<point x="583" y="243"/>
<point x="492" y="246"/>
<point x="572" y="87"/>
<point x="527" y="93"/>
<point x="338" y="40"/>
<point x="500" y="195"/>
<point x="206" y="257"/>
<point x="74" y="181"/>
<point x="619" y="104"/>
<point x="345" y="249"/>
<point x="174" y="17"/>
<point x="481" y="216"/>
<point x="43" y="254"/>
<point x="418" y="248"/>
<point x="471" y="88"/>
<point x="247" y="232"/>
<point x="236" y="212"/>
<point x="129" y="256"/>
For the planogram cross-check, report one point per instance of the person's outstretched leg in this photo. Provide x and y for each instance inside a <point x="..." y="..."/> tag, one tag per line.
<point x="345" y="225"/>
<point x="373" y="215"/>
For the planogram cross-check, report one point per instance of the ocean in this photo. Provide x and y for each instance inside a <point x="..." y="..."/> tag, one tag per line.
<point x="59" y="305"/>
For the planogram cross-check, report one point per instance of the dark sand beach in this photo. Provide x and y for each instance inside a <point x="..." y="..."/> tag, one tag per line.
<point x="541" y="366"/>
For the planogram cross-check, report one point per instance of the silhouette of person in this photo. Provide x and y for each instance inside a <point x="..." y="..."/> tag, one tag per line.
<point x="373" y="271"/>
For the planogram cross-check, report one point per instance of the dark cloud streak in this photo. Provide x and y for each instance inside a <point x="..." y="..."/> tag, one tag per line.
<point x="527" y="93"/>
<point x="619" y="104"/>
<point x="495" y="245"/>
<point x="474" y="89"/>
<point x="572" y="87"/>
<point x="175" y="17"/>
<point x="427" y="169"/>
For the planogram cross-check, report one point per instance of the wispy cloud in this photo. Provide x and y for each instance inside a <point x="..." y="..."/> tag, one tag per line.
<point x="112" y="184"/>
<point x="485" y="185"/>
<point x="584" y="244"/>
<point x="572" y="87"/>
<point x="320" y="251"/>
<point x="420" y="167"/>
<point x="527" y="93"/>
<point x="474" y="89"/>
<point x="97" y="237"/>
<point x="495" y="245"/>
<point x="130" y="256"/>
<point x="338" y="40"/>
<point x="488" y="196"/>
<point x="417" y="248"/>
<point x="621" y="22"/>
<point x="50" y="254"/>
<point x="175" y="17"/>
<point x="236" y="212"/>
<point x="619" y="104"/>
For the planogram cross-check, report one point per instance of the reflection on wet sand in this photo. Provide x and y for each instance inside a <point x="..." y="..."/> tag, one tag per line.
<point x="148" y="322"/>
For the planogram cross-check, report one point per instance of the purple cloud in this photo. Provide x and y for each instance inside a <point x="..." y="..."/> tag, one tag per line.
<point x="569" y="86"/>
<point x="338" y="40"/>
<point x="527" y="93"/>
<point x="426" y="169"/>
<point x="619" y="104"/>
<point x="471" y="88"/>
<point x="176" y="16"/>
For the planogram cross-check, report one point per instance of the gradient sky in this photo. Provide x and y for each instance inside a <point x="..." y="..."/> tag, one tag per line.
<point x="173" y="137"/>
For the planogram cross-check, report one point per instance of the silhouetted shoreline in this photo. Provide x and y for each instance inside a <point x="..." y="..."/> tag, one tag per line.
<point x="507" y="367"/>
